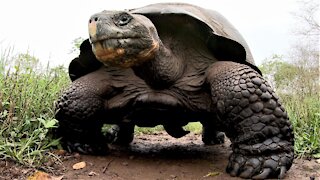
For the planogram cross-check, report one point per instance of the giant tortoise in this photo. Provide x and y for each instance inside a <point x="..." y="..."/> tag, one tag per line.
<point x="170" y="64"/>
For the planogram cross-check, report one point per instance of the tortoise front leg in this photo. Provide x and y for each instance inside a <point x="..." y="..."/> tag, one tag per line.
<point x="80" y="111"/>
<point x="254" y="120"/>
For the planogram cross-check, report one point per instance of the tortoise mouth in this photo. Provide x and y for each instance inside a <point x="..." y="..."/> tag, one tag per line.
<point x="123" y="52"/>
<point x="103" y="39"/>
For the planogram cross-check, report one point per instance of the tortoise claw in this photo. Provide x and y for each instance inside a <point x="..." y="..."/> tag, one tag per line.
<point x="235" y="169"/>
<point x="248" y="172"/>
<point x="264" y="174"/>
<point x="274" y="166"/>
<point x="282" y="173"/>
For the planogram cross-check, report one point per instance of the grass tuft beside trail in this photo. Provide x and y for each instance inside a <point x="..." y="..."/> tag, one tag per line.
<point x="26" y="107"/>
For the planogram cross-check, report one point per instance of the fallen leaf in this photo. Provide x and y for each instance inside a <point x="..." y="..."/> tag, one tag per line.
<point x="210" y="174"/>
<point x="79" y="165"/>
<point x="39" y="175"/>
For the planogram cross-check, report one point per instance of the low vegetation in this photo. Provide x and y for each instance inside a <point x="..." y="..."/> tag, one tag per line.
<point x="26" y="107"/>
<point x="298" y="86"/>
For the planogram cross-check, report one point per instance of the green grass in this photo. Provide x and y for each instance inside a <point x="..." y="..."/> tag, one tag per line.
<point x="147" y="130"/>
<point x="26" y="107"/>
<point x="304" y="113"/>
<point x="194" y="127"/>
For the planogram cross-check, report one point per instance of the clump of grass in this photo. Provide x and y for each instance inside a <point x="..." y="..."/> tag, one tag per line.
<point x="304" y="113"/>
<point x="195" y="127"/>
<point x="298" y="86"/>
<point x="26" y="107"/>
<point x="147" y="130"/>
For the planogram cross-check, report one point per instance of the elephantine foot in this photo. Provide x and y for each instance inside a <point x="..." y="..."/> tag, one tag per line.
<point x="120" y="134"/>
<point x="212" y="138"/>
<point x="255" y="121"/>
<point x="260" y="167"/>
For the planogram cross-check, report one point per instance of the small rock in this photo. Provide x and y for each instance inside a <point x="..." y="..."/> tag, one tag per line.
<point x="77" y="155"/>
<point x="92" y="173"/>
<point x="125" y="163"/>
<point x="173" y="176"/>
<point x="3" y="163"/>
<point x="318" y="161"/>
<point x="131" y="157"/>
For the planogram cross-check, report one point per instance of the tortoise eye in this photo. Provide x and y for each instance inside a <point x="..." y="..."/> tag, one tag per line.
<point x="124" y="19"/>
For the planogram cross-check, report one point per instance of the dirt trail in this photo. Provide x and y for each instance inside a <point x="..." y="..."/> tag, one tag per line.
<point x="159" y="157"/>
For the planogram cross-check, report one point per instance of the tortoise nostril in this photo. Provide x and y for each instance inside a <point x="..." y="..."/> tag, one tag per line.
<point x="94" y="19"/>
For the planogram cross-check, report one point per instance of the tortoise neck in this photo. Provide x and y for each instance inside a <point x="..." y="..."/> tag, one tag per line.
<point x="162" y="71"/>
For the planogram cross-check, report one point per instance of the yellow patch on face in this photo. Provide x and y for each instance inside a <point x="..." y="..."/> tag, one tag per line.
<point x="106" y="55"/>
<point x="92" y="29"/>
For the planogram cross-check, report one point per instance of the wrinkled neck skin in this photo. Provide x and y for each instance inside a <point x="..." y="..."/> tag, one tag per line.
<point x="162" y="71"/>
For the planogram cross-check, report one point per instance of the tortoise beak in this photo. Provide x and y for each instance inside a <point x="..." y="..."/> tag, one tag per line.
<point x="92" y="29"/>
<point x="101" y="27"/>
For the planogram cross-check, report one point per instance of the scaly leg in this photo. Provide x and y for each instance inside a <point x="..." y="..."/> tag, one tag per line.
<point x="254" y="120"/>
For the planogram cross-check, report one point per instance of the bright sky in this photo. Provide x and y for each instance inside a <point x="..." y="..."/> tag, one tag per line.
<point x="47" y="28"/>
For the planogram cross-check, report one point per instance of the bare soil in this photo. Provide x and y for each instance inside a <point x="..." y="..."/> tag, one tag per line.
<point x="155" y="157"/>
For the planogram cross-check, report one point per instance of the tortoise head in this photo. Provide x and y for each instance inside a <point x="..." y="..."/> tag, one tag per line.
<point x="122" y="39"/>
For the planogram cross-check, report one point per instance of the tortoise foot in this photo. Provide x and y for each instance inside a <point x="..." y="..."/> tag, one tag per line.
<point x="120" y="134"/>
<point x="213" y="138"/>
<point x="260" y="167"/>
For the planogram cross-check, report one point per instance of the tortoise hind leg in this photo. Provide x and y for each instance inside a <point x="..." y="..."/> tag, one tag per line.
<point x="210" y="134"/>
<point x="253" y="119"/>
<point x="212" y="137"/>
<point x="121" y="134"/>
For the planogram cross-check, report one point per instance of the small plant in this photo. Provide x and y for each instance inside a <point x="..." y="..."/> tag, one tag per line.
<point x="26" y="107"/>
<point x="298" y="87"/>
<point x="195" y="127"/>
<point x="304" y="114"/>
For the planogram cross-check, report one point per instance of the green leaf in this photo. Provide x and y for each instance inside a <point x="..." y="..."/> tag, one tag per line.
<point x="48" y="123"/>
<point x="317" y="156"/>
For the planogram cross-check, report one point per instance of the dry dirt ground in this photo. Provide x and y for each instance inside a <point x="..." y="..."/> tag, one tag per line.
<point x="155" y="157"/>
